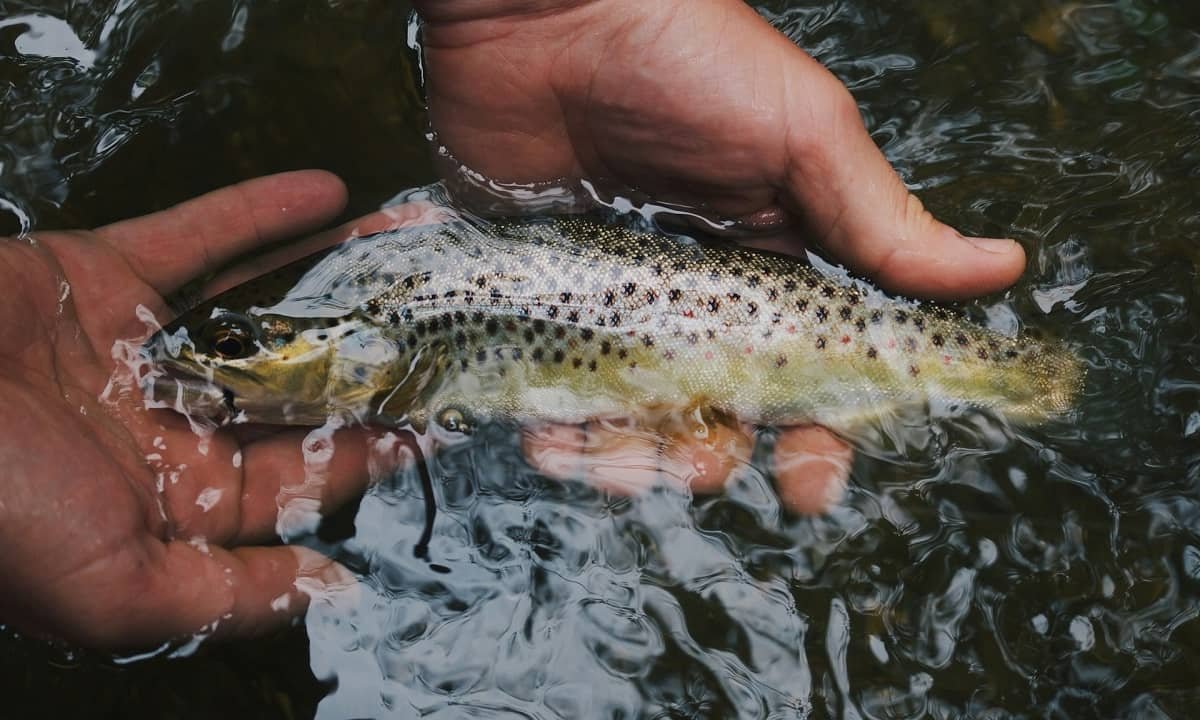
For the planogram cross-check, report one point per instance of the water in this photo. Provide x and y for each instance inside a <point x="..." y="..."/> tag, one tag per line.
<point x="970" y="572"/>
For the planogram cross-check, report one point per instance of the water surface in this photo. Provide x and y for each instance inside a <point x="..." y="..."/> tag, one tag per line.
<point x="972" y="571"/>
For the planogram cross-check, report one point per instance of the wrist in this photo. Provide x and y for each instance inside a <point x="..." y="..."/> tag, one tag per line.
<point x="453" y="11"/>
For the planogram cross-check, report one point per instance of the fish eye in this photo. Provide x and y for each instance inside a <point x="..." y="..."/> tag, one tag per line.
<point x="232" y="338"/>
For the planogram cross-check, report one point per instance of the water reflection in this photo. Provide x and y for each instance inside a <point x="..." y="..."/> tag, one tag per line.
<point x="972" y="572"/>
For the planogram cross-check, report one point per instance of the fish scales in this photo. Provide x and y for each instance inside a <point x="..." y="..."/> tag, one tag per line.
<point x="570" y="319"/>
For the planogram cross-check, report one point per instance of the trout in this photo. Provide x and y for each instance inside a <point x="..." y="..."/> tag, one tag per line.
<point x="567" y="320"/>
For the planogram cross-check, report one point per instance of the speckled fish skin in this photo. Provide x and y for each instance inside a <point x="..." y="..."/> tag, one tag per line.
<point x="568" y="319"/>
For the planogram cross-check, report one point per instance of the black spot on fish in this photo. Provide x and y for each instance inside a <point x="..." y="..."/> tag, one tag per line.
<point x="961" y="340"/>
<point x="647" y="341"/>
<point x="538" y="354"/>
<point x="910" y="344"/>
<point x="712" y="334"/>
<point x="460" y="338"/>
<point x="587" y="334"/>
<point x="753" y="281"/>
<point x="914" y="370"/>
<point x="622" y="353"/>
<point x="496" y="295"/>
<point x="573" y="316"/>
<point x="674" y="294"/>
<point x="651" y="296"/>
<point x="421" y="328"/>
<point x="1010" y="354"/>
<point x="552" y="312"/>
<point x="901" y="317"/>
<point x="693" y="338"/>
<point x="577" y="363"/>
<point x="394" y="317"/>
<point x="736" y="271"/>
<point x="492" y="326"/>
<point x="752" y="307"/>
<point x="872" y="353"/>
<point x="822" y="313"/>
<point x="919" y="323"/>
<point x="372" y="306"/>
<point x="734" y="297"/>
<point x="409" y="282"/>
<point x="560" y="332"/>
<point x="657" y="268"/>
<point x="845" y="312"/>
<point x="772" y="294"/>
<point x="464" y="364"/>
<point x="565" y="298"/>
<point x="450" y="294"/>
<point x="605" y="347"/>
<point x="480" y="355"/>
<point x="539" y="326"/>
<point x="559" y="356"/>
<point x="789" y="285"/>
<point x="982" y="354"/>
<point x="811" y="283"/>
<point x="614" y="319"/>
<point x="781" y="361"/>
<point x="713" y="305"/>
<point x="528" y="336"/>
<point x="477" y="317"/>
<point x="412" y="340"/>
<point x="629" y="289"/>
<point x="937" y="340"/>
<point x="860" y="325"/>
<point x="876" y="317"/>
<point x="828" y="291"/>
<point x="820" y="343"/>
<point x="592" y="366"/>
<point x="610" y="297"/>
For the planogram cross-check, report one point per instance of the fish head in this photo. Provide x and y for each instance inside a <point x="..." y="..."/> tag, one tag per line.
<point x="235" y="364"/>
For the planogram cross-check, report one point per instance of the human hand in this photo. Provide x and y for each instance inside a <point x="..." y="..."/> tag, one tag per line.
<point x="119" y="528"/>
<point x="703" y="104"/>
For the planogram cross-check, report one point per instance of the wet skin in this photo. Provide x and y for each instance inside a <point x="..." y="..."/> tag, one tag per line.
<point x="90" y="554"/>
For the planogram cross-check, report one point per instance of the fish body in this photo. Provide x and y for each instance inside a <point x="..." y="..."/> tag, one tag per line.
<point x="568" y="319"/>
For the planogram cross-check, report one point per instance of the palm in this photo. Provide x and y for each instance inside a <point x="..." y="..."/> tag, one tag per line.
<point x="698" y="103"/>
<point x="119" y="525"/>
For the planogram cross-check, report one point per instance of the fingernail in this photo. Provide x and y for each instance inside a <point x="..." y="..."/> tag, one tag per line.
<point x="1000" y="246"/>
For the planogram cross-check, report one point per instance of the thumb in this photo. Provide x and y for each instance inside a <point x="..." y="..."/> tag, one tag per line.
<point x="856" y="204"/>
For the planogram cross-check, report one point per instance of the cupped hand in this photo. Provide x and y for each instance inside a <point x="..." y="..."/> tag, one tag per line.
<point x="699" y="103"/>
<point x="120" y="526"/>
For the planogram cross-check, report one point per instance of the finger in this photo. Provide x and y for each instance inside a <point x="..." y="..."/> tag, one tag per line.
<point x="812" y="468"/>
<point x="199" y="236"/>
<point x="178" y="589"/>
<point x="628" y="459"/>
<point x="293" y="478"/>
<point x="391" y="218"/>
<point x="856" y="204"/>
<point x="623" y="463"/>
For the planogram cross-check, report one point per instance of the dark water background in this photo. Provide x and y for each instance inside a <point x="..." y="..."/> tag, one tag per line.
<point x="974" y="573"/>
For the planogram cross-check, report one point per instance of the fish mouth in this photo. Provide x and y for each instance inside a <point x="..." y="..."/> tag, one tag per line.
<point x="189" y="395"/>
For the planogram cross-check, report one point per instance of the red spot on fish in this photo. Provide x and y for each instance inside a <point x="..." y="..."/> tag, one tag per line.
<point x="945" y="359"/>
<point x="749" y="350"/>
<point x="791" y="329"/>
<point x="891" y="344"/>
<point x="845" y="339"/>
<point x="708" y="355"/>
<point x="688" y="314"/>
